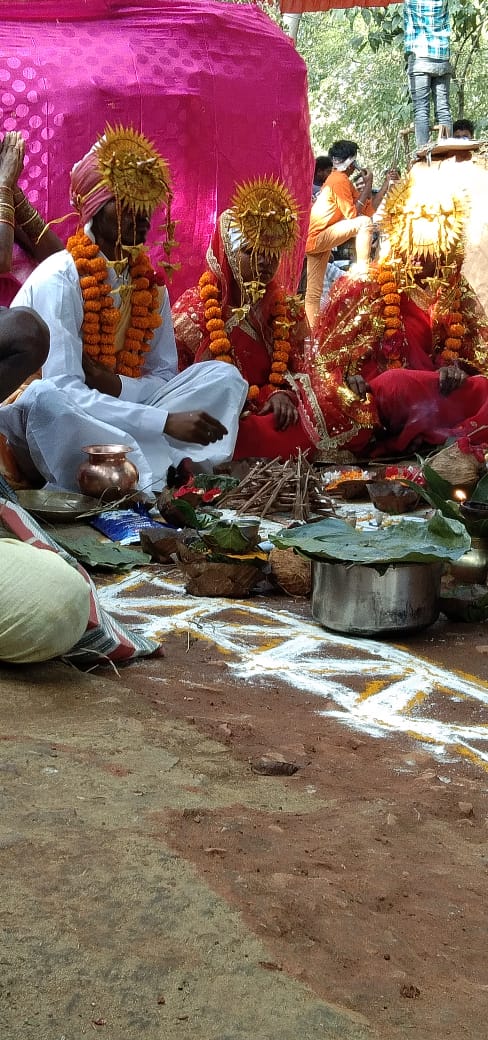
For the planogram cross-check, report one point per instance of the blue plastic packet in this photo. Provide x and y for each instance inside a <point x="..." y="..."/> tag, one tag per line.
<point x="124" y="525"/>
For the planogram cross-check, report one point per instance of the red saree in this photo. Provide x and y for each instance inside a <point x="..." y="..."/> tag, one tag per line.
<point x="405" y="405"/>
<point x="250" y="335"/>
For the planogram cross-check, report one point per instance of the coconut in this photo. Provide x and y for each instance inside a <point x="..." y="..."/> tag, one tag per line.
<point x="290" y="572"/>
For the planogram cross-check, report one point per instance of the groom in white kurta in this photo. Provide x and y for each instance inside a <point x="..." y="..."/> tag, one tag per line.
<point x="161" y="415"/>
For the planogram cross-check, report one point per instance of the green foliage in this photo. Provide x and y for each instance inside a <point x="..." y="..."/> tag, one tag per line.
<point x="408" y="541"/>
<point x="357" y="80"/>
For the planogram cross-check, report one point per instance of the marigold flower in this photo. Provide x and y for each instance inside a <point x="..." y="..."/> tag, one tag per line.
<point x="207" y="278"/>
<point x="129" y="357"/>
<point x="388" y="287"/>
<point x="253" y="392"/>
<point x="392" y="299"/>
<point x="215" y="325"/>
<point x="208" y="292"/>
<point x="391" y="312"/>
<point x="275" y="379"/>
<point x="108" y="360"/>
<point x="142" y="298"/>
<point x="218" y="346"/>
<point x="383" y="276"/>
<point x="457" y="329"/>
<point x="453" y="343"/>
<point x="278" y="366"/>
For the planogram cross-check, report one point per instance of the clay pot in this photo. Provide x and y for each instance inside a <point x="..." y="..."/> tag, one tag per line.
<point x="107" y="474"/>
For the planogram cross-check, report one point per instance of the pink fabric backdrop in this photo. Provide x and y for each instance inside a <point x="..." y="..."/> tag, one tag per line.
<point x="219" y="88"/>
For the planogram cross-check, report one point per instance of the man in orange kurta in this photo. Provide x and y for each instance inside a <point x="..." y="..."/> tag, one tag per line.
<point x="339" y="213"/>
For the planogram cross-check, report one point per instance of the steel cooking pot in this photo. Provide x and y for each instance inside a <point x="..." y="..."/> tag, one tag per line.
<point x="359" y="599"/>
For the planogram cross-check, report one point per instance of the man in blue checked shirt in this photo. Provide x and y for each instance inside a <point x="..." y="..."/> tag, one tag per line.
<point x="427" y="45"/>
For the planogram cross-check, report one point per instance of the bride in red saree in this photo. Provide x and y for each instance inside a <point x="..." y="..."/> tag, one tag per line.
<point x="240" y="314"/>
<point x="400" y="359"/>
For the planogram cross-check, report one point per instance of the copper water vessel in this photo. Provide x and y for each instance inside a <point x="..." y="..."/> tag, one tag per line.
<point x="107" y="474"/>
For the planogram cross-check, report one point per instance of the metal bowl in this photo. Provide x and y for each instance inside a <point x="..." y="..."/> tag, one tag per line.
<point x="359" y="599"/>
<point x="62" y="507"/>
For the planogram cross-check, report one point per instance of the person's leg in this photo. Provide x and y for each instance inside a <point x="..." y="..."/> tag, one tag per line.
<point x="440" y="93"/>
<point x="44" y="603"/>
<point x="419" y="83"/>
<point x="364" y="238"/>
<point x="316" y="268"/>
<point x="24" y="346"/>
<point x="317" y="261"/>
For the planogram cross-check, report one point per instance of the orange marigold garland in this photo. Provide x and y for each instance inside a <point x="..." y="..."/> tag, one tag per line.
<point x="101" y="317"/>
<point x="391" y="316"/>
<point x="220" y="346"/>
<point x="456" y="330"/>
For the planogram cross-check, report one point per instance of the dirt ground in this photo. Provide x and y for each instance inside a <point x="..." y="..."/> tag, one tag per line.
<point x="156" y="885"/>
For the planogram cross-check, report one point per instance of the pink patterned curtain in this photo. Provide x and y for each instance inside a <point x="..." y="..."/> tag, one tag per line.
<point x="219" y="88"/>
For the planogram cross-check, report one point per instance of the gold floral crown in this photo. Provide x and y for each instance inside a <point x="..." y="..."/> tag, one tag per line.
<point x="266" y="216"/>
<point x="132" y="169"/>
<point x="425" y="214"/>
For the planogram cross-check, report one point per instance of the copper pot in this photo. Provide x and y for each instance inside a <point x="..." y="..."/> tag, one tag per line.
<point x="107" y="474"/>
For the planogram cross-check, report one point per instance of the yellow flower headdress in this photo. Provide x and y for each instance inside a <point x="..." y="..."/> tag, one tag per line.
<point x="425" y="215"/>
<point x="123" y="165"/>
<point x="133" y="170"/>
<point x="266" y="216"/>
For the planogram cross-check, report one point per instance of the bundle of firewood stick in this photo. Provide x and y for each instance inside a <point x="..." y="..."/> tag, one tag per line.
<point x="292" y="488"/>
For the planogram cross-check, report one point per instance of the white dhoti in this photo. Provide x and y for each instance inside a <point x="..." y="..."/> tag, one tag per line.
<point x="48" y="423"/>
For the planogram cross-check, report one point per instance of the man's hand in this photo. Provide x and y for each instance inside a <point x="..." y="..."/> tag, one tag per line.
<point x="359" y="386"/>
<point x="12" y="150"/>
<point x="284" y="411"/>
<point x="97" y="377"/>
<point x="450" y="378"/>
<point x="194" y="428"/>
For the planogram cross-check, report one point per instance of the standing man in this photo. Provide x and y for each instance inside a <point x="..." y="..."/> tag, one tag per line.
<point x="427" y="46"/>
<point x="111" y="375"/>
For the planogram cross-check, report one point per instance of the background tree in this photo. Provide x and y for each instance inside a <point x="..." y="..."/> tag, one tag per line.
<point x="357" y="78"/>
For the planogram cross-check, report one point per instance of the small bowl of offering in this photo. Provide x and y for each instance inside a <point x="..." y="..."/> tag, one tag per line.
<point x="391" y="496"/>
<point x="474" y="510"/>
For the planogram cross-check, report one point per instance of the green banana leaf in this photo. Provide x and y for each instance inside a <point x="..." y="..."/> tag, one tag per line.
<point x="226" y="537"/>
<point x="409" y="541"/>
<point x="480" y="493"/>
<point x="107" y="556"/>
<point x="437" y="493"/>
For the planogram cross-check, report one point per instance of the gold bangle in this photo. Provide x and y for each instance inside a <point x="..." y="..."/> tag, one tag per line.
<point x="7" y="222"/>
